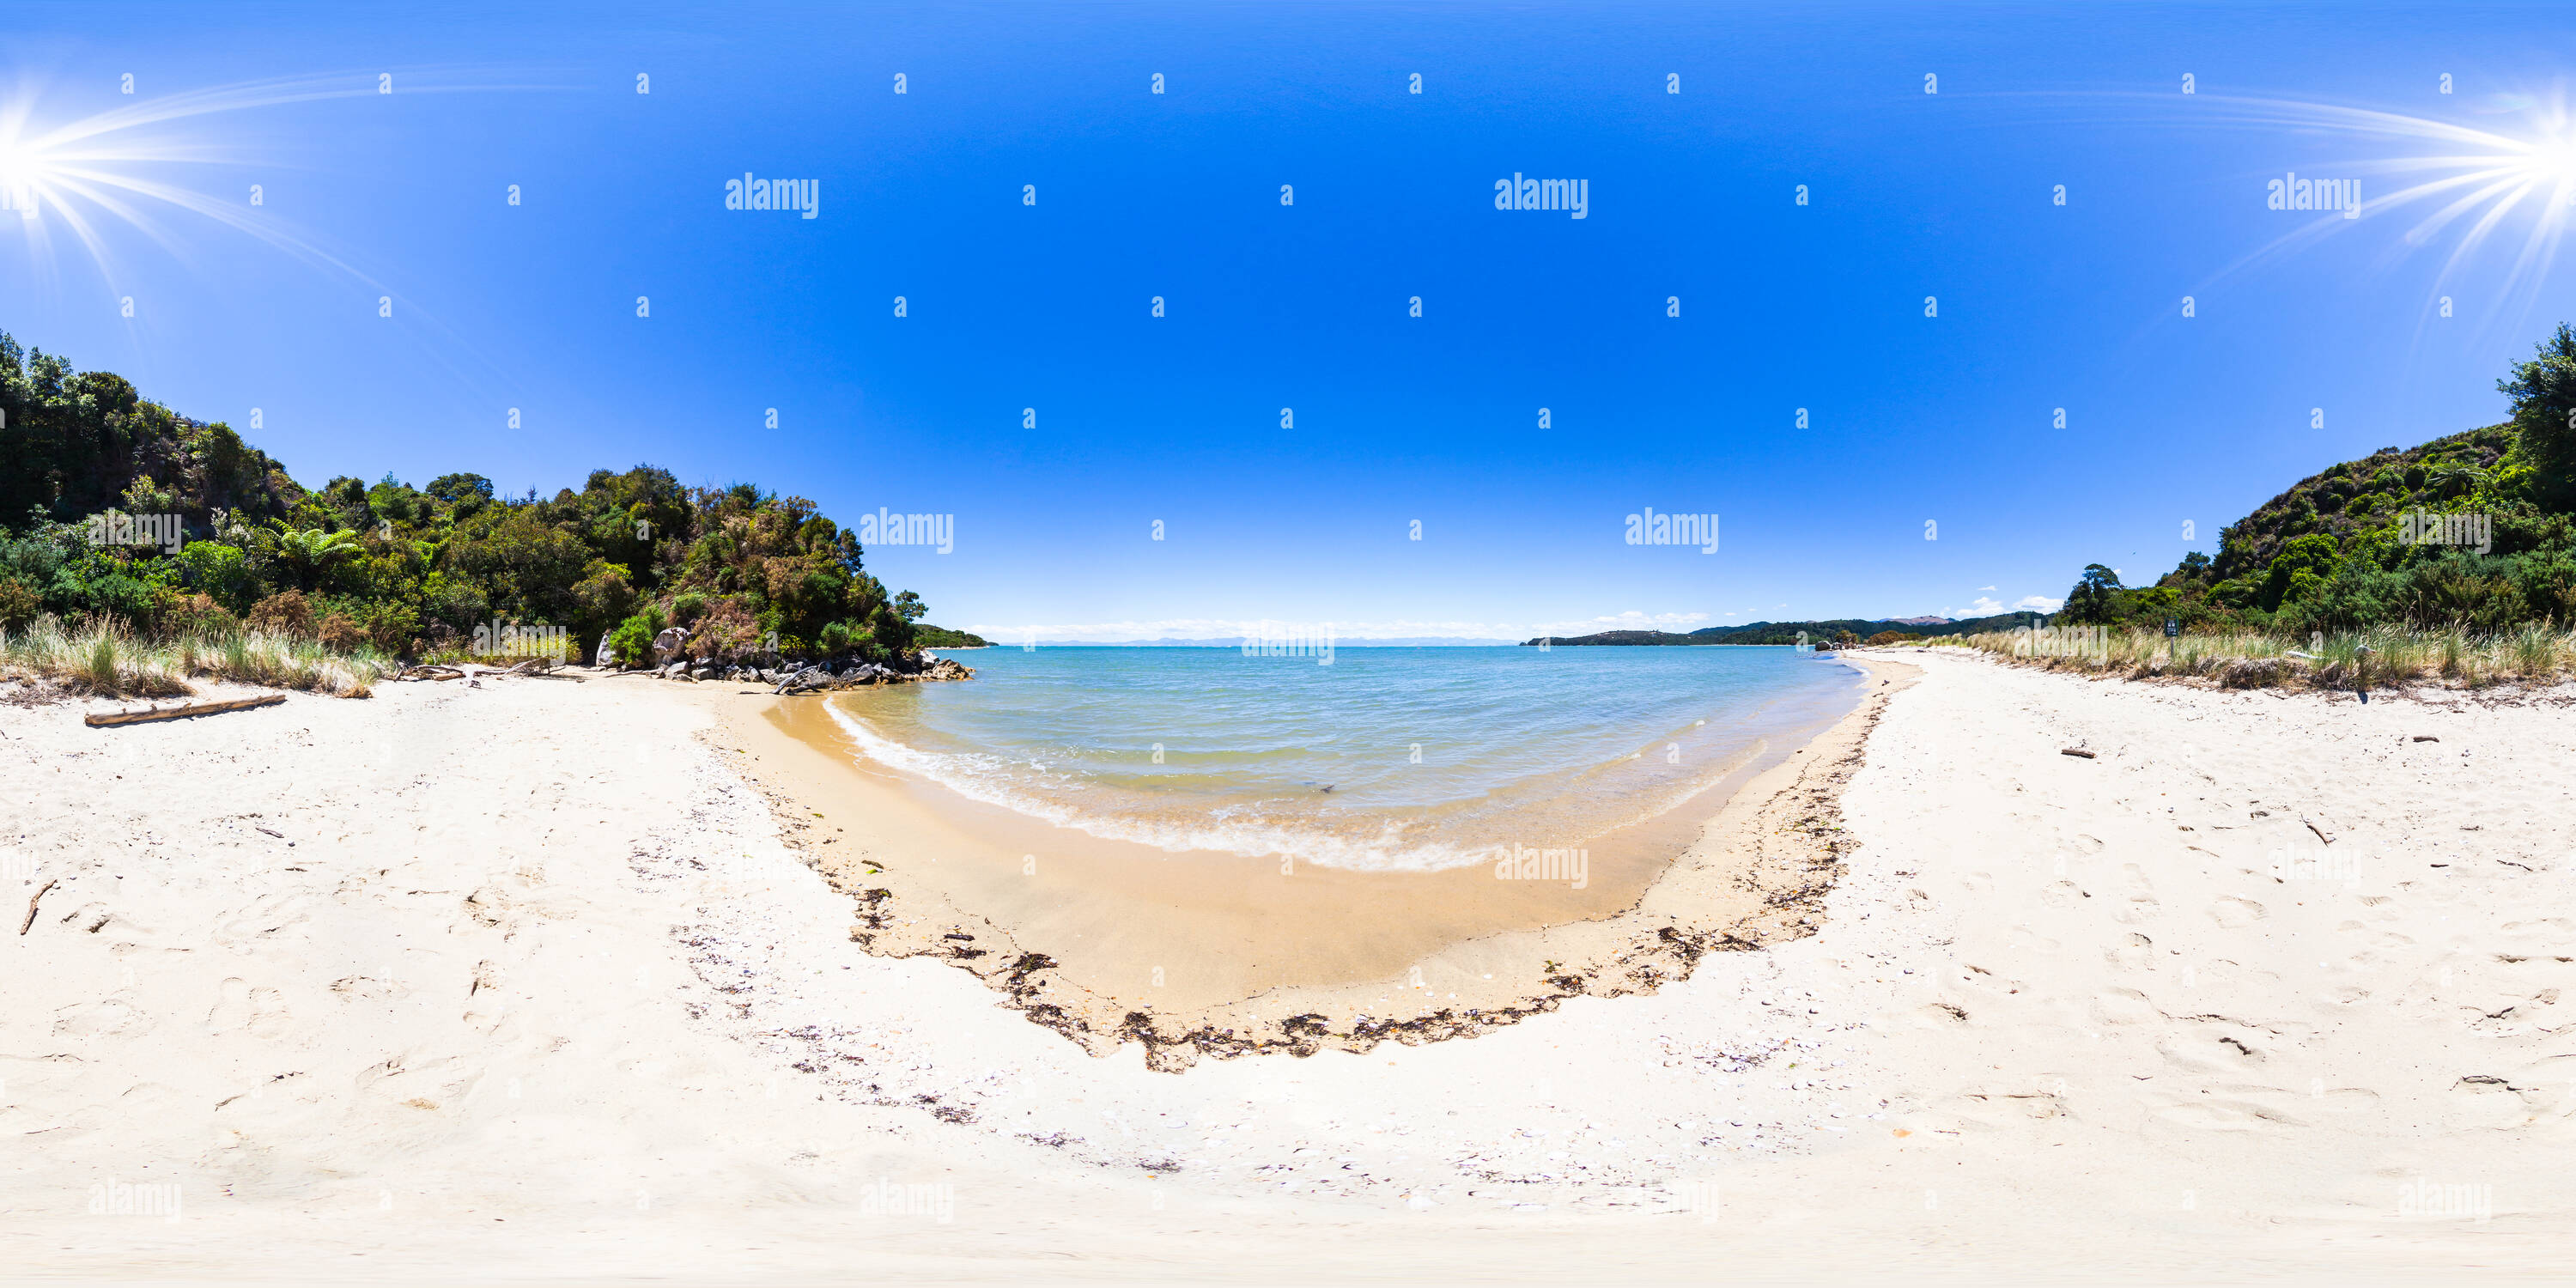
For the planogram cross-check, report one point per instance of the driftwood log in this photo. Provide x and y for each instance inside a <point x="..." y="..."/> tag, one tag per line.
<point x="103" y="720"/>
<point x="30" y="922"/>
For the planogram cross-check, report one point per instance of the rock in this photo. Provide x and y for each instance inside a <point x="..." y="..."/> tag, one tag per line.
<point x="946" y="668"/>
<point x="810" y="677"/>
<point x="667" y="645"/>
<point x="605" y="656"/>
<point x="766" y="675"/>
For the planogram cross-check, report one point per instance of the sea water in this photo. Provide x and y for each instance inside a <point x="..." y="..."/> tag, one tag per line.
<point x="1386" y="759"/>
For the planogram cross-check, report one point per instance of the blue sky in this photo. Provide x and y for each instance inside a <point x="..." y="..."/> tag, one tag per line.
<point x="1012" y="306"/>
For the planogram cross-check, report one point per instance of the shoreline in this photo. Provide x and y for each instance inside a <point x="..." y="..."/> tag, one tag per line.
<point x="1755" y="873"/>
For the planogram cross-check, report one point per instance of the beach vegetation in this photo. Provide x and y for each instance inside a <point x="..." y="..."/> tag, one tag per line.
<point x="392" y="570"/>
<point x="105" y="657"/>
<point x="2473" y="533"/>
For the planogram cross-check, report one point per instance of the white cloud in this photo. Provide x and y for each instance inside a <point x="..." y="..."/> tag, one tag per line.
<point x="1982" y="606"/>
<point x="1985" y="588"/>
<point x="2041" y="602"/>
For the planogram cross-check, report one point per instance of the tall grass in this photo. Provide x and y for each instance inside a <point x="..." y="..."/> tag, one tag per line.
<point x="105" y="658"/>
<point x="2376" y="657"/>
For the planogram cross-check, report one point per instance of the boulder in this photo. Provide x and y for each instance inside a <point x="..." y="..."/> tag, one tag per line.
<point x="606" y="656"/>
<point x="667" y="645"/>
<point x="812" y="677"/>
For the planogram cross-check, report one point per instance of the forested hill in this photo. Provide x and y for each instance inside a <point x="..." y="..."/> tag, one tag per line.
<point x="1821" y="632"/>
<point x="2471" y="530"/>
<point x="406" y="569"/>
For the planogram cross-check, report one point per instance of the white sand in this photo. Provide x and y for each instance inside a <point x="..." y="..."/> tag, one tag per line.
<point x="537" y="992"/>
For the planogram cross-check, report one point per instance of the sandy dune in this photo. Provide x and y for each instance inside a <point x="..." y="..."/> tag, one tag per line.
<point x="521" y="982"/>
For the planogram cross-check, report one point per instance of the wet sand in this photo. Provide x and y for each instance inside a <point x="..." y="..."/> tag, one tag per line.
<point x="1190" y="953"/>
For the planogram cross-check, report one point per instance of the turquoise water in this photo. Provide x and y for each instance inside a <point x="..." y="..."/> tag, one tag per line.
<point x="1434" y="756"/>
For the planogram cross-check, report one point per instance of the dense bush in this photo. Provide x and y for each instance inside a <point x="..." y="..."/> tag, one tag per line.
<point x="408" y="570"/>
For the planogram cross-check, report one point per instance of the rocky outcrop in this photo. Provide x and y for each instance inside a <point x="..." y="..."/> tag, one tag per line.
<point x="790" y="676"/>
<point x="667" y="645"/>
<point x="606" y="656"/>
<point x="812" y="677"/>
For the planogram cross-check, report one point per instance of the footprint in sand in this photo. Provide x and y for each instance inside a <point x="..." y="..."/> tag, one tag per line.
<point x="2134" y="952"/>
<point x="105" y="1018"/>
<point x="2141" y="894"/>
<point x="2028" y="940"/>
<point x="2486" y="1101"/>
<point x="2233" y="913"/>
<point x="2212" y="1050"/>
<point x="2123" y="1006"/>
<point x="261" y="1012"/>
<point x="2212" y="1114"/>
<point x="2342" y="1100"/>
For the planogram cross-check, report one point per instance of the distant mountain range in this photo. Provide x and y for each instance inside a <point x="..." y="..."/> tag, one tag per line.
<point x="1236" y="641"/>
<point x="1816" y="632"/>
<point x="1755" y="633"/>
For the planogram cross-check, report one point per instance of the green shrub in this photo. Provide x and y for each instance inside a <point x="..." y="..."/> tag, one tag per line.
<point x="220" y="571"/>
<point x="632" y="641"/>
<point x="19" y="605"/>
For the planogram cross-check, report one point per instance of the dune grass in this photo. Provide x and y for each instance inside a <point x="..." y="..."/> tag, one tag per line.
<point x="2381" y="656"/>
<point x="103" y="657"/>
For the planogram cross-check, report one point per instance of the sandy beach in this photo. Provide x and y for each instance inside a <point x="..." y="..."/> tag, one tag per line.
<point x="543" y="979"/>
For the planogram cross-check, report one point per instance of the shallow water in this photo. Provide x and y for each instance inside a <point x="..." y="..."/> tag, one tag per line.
<point x="1435" y="757"/>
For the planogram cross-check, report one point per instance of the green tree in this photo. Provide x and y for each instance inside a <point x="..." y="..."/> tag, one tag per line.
<point x="2544" y="411"/>
<point x="310" y="553"/>
<point x="2091" y="599"/>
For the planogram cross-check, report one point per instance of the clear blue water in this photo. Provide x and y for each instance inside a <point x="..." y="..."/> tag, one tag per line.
<point x="1434" y="756"/>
